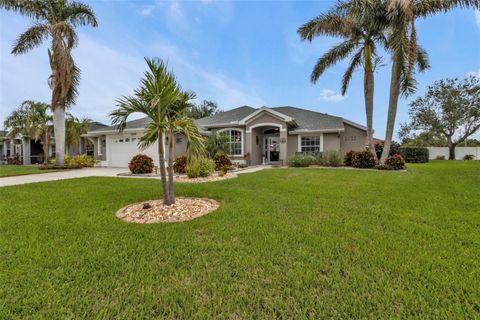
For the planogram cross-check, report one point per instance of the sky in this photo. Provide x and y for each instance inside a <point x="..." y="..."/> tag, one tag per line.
<point x="231" y="52"/>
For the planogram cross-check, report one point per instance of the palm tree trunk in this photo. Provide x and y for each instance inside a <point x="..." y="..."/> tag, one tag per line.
<point x="392" y="108"/>
<point x="59" y="133"/>
<point x="369" y="90"/>
<point x="170" y="168"/>
<point x="163" y="174"/>
<point x="46" y="145"/>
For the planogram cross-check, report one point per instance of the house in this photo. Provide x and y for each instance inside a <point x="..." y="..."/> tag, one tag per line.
<point x="29" y="151"/>
<point x="257" y="136"/>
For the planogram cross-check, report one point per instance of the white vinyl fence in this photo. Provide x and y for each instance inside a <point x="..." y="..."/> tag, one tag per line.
<point x="460" y="152"/>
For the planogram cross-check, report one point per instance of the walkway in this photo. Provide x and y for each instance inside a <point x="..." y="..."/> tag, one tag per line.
<point x="86" y="172"/>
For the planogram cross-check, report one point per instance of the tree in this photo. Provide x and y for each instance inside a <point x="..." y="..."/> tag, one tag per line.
<point x="162" y="100"/>
<point x="31" y="119"/>
<point x="217" y="142"/>
<point x="360" y="36"/>
<point x="451" y="108"/>
<point x="75" y="129"/>
<point x="55" y="19"/>
<point x="422" y="139"/>
<point x="204" y="109"/>
<point x="399" y="19"/>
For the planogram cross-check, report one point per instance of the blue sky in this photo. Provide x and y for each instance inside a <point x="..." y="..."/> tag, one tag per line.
<point x="233" y="53"/>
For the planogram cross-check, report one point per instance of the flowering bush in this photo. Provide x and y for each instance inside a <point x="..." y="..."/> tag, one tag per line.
<point x="221" y="160"/>
<point x="363" y="159"/>
<point x="349" y="157"/>
<point x="396" y="162"/>
<point x="141" y="163"/>
<point x="179" y="164"/>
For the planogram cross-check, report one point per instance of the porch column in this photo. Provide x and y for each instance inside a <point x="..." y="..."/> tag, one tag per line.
<point x="283" y="147"/>
<point x="26" y="151"/>
<point x="248" y="148"/>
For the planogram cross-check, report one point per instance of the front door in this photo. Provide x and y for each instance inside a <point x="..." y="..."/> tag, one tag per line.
<point x="272" y="149"/>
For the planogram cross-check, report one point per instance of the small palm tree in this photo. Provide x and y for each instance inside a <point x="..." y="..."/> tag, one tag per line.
<point x="32" y="120"/>
<point x="161" y="99"/>
<point x="360" y="38"/>
<point x="56" y="19"/>
<point x="74" y="131"/>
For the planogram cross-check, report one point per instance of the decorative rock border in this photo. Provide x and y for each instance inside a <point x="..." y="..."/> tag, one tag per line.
<point x="216" y="177"/>
<point x="154" y="211"/>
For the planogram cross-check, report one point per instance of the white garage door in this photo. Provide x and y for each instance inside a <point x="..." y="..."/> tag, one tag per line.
<point x="122" y="148"/>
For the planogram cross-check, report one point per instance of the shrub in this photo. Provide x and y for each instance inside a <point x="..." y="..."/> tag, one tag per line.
<point x="396" y="162"/>
<point x="179" y="164"/>
<point x="349" y="158"/>
<point x="217" y="143"/>
<point x="332" y="158"/>
<point x="225" y="169"/>
<point x="469" y="157"/>
<point x="221" y="160"/>
<point x="440" y="158"/>
<point x="363" y="159"/>
<point x="141" y="163"/>
<point x="394" y="149"/>
<point x="414" y="154"/>
<point x="79" y="161"/>
<point x="301" y="160"/>
<point x="200" y="168"/>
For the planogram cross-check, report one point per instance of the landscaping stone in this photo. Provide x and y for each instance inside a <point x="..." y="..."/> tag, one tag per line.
<point x="184" y="209"/>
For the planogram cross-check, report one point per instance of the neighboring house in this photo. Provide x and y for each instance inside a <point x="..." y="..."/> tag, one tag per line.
<point x="29" y="151"/>
<point x="257" y="136"/>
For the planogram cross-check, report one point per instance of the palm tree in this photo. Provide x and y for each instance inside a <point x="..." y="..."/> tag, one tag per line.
<point x="32" y="120"/>
<point x="361" y="35"/>
<point x="74" y="131"/>
<point x="161" y="99"/>
<point x="405" y="50"/>
<point x="56" y="19"/>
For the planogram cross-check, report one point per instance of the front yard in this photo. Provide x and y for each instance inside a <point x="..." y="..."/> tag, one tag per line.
<point x="10" y="170"/>
<point x="285" y="243"/>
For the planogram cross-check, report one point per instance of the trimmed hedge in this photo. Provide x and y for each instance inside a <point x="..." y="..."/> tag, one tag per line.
<point x="414" y="154"/>
<point x="301" y="160"/>
<point x="363" y="159"/>
<point x="396" y="162"/>
<point x="140" y="164"/>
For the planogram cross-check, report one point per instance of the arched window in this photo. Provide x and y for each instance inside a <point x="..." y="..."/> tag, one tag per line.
<point x="235" y="141"/>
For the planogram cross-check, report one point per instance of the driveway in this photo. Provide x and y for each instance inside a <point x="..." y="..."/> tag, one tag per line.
<point x="61" y="175"/>
<point x="86" y="172"/>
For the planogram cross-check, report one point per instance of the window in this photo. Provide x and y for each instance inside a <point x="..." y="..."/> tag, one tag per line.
<point x="310" y="144"/>
<point x="350" y="138"/>
<point x="235" y="141"/>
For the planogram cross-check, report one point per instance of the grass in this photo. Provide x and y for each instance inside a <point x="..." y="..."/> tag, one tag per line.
<point x="285" y="243"/>
<point x="11" y="170"/>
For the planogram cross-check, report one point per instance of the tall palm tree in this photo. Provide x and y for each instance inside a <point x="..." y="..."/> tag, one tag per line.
<point x="405" y="50"/>
<point x="32" y="120"/>
<point x="360" y="36"/>
<point x="55" y="19"/>
<point x="162" y="100"/>
<point x="75" y="129"/>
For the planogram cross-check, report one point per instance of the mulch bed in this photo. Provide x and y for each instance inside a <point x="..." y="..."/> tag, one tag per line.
<point x="154" y="211"/>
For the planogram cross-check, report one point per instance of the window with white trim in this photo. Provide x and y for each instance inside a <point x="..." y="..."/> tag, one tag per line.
<point x="310" y="144"/>
<point x="235" y="141"/>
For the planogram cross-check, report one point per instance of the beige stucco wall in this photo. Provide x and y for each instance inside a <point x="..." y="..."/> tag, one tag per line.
<point x="180" y="145"/>
<point x="292" y="145"/>
<point x="265" y="118"/>
<point x="360" y="139"/>
<point x="252" y="147"/>
<point x="331" y="141"/>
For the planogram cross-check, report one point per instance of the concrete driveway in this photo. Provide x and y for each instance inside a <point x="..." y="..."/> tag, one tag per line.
<point x="61" y="175"/>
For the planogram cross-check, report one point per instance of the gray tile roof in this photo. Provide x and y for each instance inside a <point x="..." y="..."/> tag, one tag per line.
<point x="304" y="119"/>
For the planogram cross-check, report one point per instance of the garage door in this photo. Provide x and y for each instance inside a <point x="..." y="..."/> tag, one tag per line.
<point x="122" y="148"/>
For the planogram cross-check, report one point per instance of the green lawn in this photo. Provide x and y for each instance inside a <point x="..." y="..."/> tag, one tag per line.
<point x="285" y="243"/>
<point x="19" y="170"/>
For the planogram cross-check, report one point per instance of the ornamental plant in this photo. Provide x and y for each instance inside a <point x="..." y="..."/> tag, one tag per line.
<point x="141" y="163"/>
<point x="221" y="160"/>
<point x="349" y="157"/>
<point x="363" y="159"/>
<point x="396" y="162"/>
<point x="179" y="164"/>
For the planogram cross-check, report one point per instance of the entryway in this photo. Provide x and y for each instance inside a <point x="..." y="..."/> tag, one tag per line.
<point x="271" y="148"/>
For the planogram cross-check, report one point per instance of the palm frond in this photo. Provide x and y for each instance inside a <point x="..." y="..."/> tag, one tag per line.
<point x="331" y="57"/>
<point x="329" y="25"/>
<point x="79" y="14"/>
<point x="30" y="39"/>
<point x="355" y="62"/>
<point x="33" y="9"/>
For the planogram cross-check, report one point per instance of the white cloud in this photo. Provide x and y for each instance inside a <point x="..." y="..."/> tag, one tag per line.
<point x="330" y="95"/>
<point x="477" y="18"/>
<point x="146" y="10"/>
<point x="474" y="73"/>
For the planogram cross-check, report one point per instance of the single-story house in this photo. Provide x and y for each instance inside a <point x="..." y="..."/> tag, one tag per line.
<point x="29" y="151"/>
<point x="257" y="136"/>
